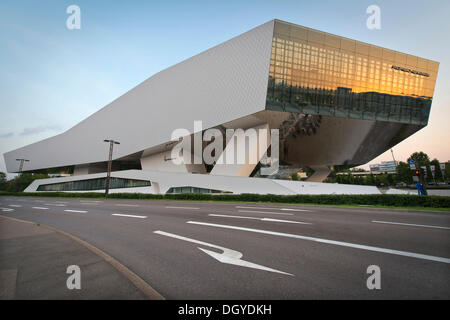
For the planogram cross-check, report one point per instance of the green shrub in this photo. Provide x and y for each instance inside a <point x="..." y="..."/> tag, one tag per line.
<point x="395" y="200"/>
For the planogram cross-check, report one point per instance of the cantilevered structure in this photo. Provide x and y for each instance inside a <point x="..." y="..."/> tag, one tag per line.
<point x="335" y="101"/>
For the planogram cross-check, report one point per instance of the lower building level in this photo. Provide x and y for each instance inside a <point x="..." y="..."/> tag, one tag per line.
<point x="156" y="182"/>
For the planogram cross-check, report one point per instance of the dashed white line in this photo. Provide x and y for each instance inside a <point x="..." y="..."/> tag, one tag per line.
<point x="15" y="205"/>
<point x="261" y="219"/>
<point x="332" y="242"/>
<point x="271" y="208"/>
<point x="267" y="212"/>
<point x="76" y="211"/>
<point x="128" y="215"/>
<point x="55" y="204"/>
<point x="39" y="208"/>
<point x="6" y="209"/>
<point x="187" y="208"/>
<point x="411" y="225"/>
<point x="127" y="205"/>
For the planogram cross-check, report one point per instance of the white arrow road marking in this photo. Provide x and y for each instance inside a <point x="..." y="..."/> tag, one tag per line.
<point x="262" y="219"/>
<point x="40" y="208"/>
<point x="15" y="205"/>
<point x="411" y="225"/>
<point x="228" y="256"/>
<point x="6" y="209"/>
<point x="128" y="215"/>
<point x="76" y="211"/>
<point x="269" y="208"/>
<point x="333" y="242"/>
<point x="266" y="212"/>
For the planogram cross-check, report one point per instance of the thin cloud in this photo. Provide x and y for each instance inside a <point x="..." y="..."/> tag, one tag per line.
<point x="7" y="135"/>
<point x="38" y="129"/>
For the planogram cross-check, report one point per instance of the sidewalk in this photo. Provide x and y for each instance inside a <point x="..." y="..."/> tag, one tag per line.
<point x="34" y="260"/>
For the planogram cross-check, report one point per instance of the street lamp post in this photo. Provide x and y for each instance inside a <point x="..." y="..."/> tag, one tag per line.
<point x="21" y="163"/>
<point x="108" y="175"/>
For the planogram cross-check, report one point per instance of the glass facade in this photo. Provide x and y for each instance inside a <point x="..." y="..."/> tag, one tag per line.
<point x="313" y="72"/>
<point x="94" y="184"/>
<point x="194" y="190"/>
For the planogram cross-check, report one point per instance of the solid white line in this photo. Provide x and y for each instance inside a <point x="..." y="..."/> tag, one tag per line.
<point x="40" y="208"/>
<point x="410" y="224"/>
<point x="284" y="214"/>
<point x="333" y="242"/>
<point x="77" y="211"/>
<point x="128" y="215"/>
<point x="15" y="205"/>
<point x="189" y="208"/>
<point x="261" y="219"/>
<point x="127" y="205"/>
<point x="269" y="208"/>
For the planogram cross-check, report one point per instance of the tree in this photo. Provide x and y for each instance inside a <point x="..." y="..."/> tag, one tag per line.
<point x="404" y="173"/>
<point x="437" y="170"/>
<point x="420" y="158"/>
<point x="19" y="183"/>
<point x="2" y="181"/>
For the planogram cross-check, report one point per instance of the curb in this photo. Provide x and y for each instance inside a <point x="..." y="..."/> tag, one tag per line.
<point x="137" y="281"/>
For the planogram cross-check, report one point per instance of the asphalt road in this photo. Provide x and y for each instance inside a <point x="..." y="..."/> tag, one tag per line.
<point x="206" y="250"/>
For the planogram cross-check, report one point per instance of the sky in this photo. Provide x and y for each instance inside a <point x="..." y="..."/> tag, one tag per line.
<point x="52" y="77"/>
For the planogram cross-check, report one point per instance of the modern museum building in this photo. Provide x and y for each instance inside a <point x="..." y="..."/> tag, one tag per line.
<point x="329" y="99"/>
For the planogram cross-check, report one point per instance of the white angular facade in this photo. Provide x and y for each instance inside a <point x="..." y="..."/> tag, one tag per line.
<point x="336" y="101"/>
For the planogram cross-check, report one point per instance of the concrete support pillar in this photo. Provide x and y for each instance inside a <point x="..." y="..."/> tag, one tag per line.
<point x="320" y="174"/>
<point x="243" y="152"/>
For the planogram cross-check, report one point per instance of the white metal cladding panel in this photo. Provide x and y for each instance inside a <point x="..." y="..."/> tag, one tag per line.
<point x="224" y="83"/>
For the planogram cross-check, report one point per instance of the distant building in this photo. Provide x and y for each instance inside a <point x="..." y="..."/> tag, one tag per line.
<point x="384" y="167"/>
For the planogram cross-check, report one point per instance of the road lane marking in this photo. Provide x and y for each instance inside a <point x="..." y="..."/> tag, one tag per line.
<point x="128" y="215"/>
<point x="410" y="224"/>
<point x="228" y="256"/>
<point x="40" y="208"/>
<point x="266" y="212"/>
<point x="76" y="211"/>
<point x="6" y="209"/>
<point x="127" y="205"/>
<point x="15" y="205"/>
<point x="333" y="242"/>
<point x="269" y="208"/>
<point x="90" y="201"/>
<point x="261" y="219"/>
<point x="188" y="208"/>
<point x="55" y="204"/>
